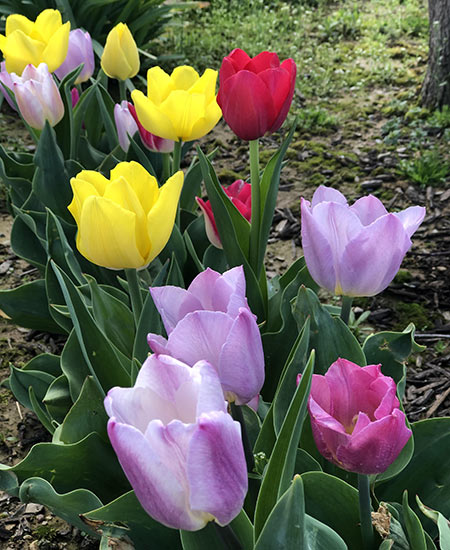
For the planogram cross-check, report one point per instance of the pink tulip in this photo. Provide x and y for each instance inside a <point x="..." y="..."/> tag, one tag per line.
<point x="80" y="51"/>
<point x="211" y="321"/>
<point x="125" y="124"/>
<point x="37" y="96"/>
<point x="355" y="417"/>
<point x="6" y="80"/>
<point x="179" y="448"/>
<point x="240" y="194"/>
<point x="355" y="250"/>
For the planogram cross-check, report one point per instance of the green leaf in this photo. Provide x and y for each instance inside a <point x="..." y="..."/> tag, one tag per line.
<point x="144" y="531"/>
<point x="40" y="412"/>
<point x="56" y="303"/>
<point x="414" y="529"/>
<point x="281" y="466"/>
<point x="442" y="523"/>
<point x="106" y="105"/>
<point x="330" y="336"/>
<point x="57" y="400"/>
<point x="150" y="321"/>
<point x="45" y="362"/>
<point x="67" y="506"/>
<point x="26" y="243"/>
<point x="20" y="380"/>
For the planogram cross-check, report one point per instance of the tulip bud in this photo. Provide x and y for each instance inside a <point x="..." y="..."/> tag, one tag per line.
<point x="28" y="42"/>
<point x="80" y="51"/>
<point x="255" y="93"/>
<point x="240" y="194"/>
<point x="126" y="221"/>
<point x="120" y="57"/>
<point x="125" y="124"/>
<point x="211" y="320"/>
<point x="355" y="250"/>
<point x="37" y="96"/>
<point x="180" y="106"/>
<point x="178" y="447"/>
<point x="355" y="417"/>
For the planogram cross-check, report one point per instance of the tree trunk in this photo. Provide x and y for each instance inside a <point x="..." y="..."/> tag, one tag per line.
<point x="436" y="86"/>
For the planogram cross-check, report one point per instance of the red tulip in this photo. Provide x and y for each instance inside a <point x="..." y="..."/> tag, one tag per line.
<point x="241" y="196"/>
<point x="255" y="93"/>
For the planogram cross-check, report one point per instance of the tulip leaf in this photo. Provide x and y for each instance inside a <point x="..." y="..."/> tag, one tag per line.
<point x="175" y="246"/>
<point x="65" y="129"/>
<point x="79" y="114"/>
<point x="150" y="321"/>
<point x="67" y="506"/>
<point x="19" y="188"/>
<point x="87" y="415"/>
<point x="215" y="259"/>
<point x="304" y="462"/>
<point x="106" y="105"/>
<point x="191" y="249"/>
<point x="330" y="336"/>
<point x="57" y="399"/>
<point x="73" y="365"/>
<point x="51" y="181"/>
<point x="20" y="380"/>
<point x="56" y="301"/>
<point x="335" y="503"/>
<point x="391" y="350"/>
<point x="144" y="531"/>
<point x="442" y="523"/>
<point x="428" y="473"/>
<point x="414" y="529"/>
<point x="20" y="164"/>
<point x="281" y="465"/>
<point x="45" y="362"/>
<point x="136" y="152"/>
<point x="25" y="241"/>
<point x="266" y="439"/>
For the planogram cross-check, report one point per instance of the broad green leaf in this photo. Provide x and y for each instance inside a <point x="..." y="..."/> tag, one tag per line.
<point x="149" y="321"/>
<point x="414" y="528"/>
<point x="73" y="365"/>
<point x="57" y="400"/>
<point x="26" y="241"/>
<point x="442" y="523"/>
<point x="45" y="362"/>
<point x="20" y="380"/>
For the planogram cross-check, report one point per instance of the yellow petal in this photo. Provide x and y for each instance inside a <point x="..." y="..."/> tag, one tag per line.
<point x="82" y="189"/>
<point x="94" y="178"/>
<point x="130" y="51"/>
<point x="18" y="22"/>
<point x="56" y="50"/>
<point x="152" y="118"/>
<point x="144" y="184"/>
<point x="20" y="50"/>
<point x="184" y="77"/>
<point x="204" y="125"/>
<point x="161" y="217"/>
<point x="106" y="235"/>
<point x="206" y="85"/>
<point x="3" y="41"/>
<point x="159" y="85"/>
<point x="46" y="24"/>
<point x="122" y="193"/>
<point x="184" y="110"/>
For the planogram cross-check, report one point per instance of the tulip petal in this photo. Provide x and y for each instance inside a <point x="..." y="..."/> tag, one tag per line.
<point x="205" y="124"/>
<point x="411" y="218"/>
<point x="106" y="235"/>
<point x="262" y="61"/>
<point x="164" y="375"/>
<point x="327" y="194"/>
<point x="385" y="243"/>
<point x="183" y="77"/>
<point x="144" y="184"/>
<point x="229" y="292"/>
<point x="184" y="110"/>
<point x="16" y="22"/>
<point x="47" y="23"/>
<point x="281" y="83"/>
<point x="29" y="105"/>
<point x="239" y="58"/>
<point x="247" y="105"/>
<point x="56" y="49"/>
<point x="21" y="50"/>
<point x="202" y="287"/>
<point x="152" y="118"/>
<point x="129" y="50"/>
<point x="241" y="362"/>
<point x="205" y="85"/>
<point x="82" y="189"/>
<point x="161" y="217"/>
<point x="227" y="69"/>
<point x="169" y="300"/>
<point x="210" y="223"/>
<point x="159" y="85"/>
<point x="97" y="180"/>
<point x="216" y="467"/>
<point x="210" y="394"/>
<point x="368" y="209"/>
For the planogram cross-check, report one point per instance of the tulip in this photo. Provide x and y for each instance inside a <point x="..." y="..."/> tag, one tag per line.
<point x="37" y="96"/>
<point x="355" y="250"/>
<point x="125" y="124"/>
<point x="80" y="51"/>
<point x="255" y="93"/>
<point x="6" y="82"/>
<point x="355" y="417"/>
<point x="151" y="142"/>
<point x="240" y="195"/>
<point x="74" y="96"/>
<point x="26" y="42"/>
<point x="180" y="106"/>
<point x="178" y="447"/>
<point x="120" y="57"/>
<point x="211" y="321"/>
<point x="125" y="221"/>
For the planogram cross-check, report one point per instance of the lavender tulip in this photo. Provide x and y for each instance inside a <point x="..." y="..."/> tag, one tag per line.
<point x="355" y="417"/>
<point x="211" y="320"/>
<point x="37" y="96"/>
<point x="355" y="250"/>
<point x="80" y="52"/>
<point x="125" y="124"/>
<point x="6" y="82"/>
<point x="179" y="448"/>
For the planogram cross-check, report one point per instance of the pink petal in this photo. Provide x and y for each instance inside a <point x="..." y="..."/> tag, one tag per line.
<point x="283" y="101"/>
<point x="368" y="209"/>
<point x="229" y="292"/>
<point x="210" y="395"/>
<point x="173" y="303"/>
<point x="411" y="218"/>
<point x="327" y="194"/>
<point x="210" y="223"/>
<point x="262" y="61"/>
<point x="202" y="288"/>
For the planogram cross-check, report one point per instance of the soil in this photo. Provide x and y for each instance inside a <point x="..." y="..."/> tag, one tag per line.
<point x="355" y="157"/>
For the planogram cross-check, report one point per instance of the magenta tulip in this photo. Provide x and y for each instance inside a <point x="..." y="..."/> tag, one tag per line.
<point x="179" y="448"/>
<point x="211" y="321"/>
<point x="355" y="417"/>
<point x="80" y="52"/>
<point x="240" y="194"/>
<point x="355" y="250"/>
<point x="255" y="93"/>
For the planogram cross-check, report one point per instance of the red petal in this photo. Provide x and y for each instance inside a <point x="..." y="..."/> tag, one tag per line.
<point x="290" y="67"/>
<point x="263" y="61"/>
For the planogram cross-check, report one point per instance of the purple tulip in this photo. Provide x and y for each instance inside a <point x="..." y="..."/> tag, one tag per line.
<point x="6" y="81"/>
<point x="179" y="448"/>
<point x="125" y="124"/>
<point x="37" y="96"/>
<point x="355" y="250"/>
<point x="355" y="417"/>
<point x="80" y="51"/>
<point x="211" y="321"/>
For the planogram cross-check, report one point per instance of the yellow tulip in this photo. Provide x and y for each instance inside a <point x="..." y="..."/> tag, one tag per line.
<point x="120" y="57"/>
<point x="34" y="42"/>
<point x="125" y="221"/>
<point x="180" y="106"/>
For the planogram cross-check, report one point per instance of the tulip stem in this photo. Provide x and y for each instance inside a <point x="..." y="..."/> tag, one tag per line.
<point x="228" y="537"/>
<point x="122" y="90"/>
<point x="236" y="412"/>
<point x="256" y="205"/>
<point x="176" y="156"/>
<point x="365" y="511"/>
<point x="134" y="291"/>
<point x="346" y="308"/>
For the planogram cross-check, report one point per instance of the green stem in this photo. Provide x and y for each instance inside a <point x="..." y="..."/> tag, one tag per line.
<point x="176" y="157"/>
<point x="122" y="90"/>
<point x="365" y="510"/>
<point x="346" y="308"/>
<point x="228" y="537"/>
<point x="256" y="205"/>
<point x="236" y="412"/>
<point x="166" y="167"/>
<point x="134" y="291"/>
